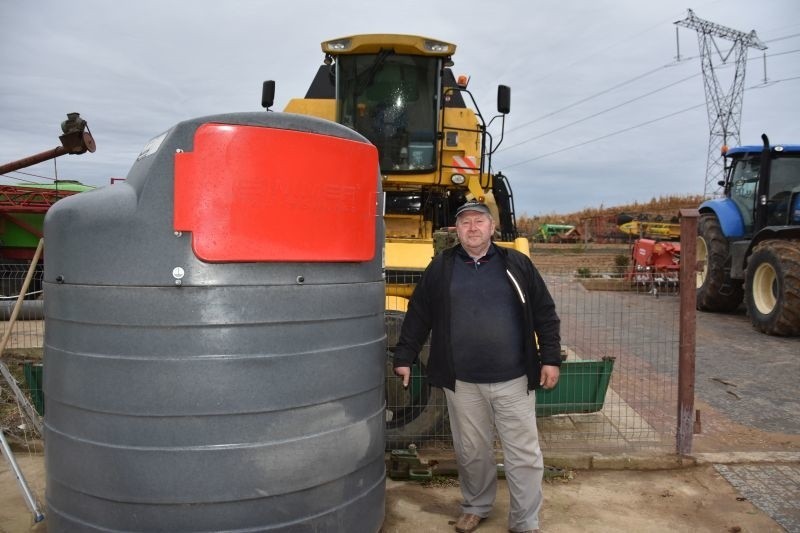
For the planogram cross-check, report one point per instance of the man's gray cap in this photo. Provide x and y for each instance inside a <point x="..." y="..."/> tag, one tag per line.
<point x="473" y="206"/>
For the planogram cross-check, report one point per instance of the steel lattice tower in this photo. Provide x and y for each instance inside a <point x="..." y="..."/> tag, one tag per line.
<point x="724" y="108"/>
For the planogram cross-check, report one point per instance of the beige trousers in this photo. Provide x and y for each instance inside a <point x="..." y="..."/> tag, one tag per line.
<point x="476" y="410"/>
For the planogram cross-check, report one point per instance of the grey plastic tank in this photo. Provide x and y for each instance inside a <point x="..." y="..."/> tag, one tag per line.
<point x="214" y="335"/>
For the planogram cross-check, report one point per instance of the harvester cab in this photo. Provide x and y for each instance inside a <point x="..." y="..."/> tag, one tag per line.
<point x="749" y="240"/>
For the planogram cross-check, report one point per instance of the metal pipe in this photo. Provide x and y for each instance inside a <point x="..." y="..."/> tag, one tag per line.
<point x="26" y="492"/>
<point x="32" y="160"/>
<point x="688" y="331"/>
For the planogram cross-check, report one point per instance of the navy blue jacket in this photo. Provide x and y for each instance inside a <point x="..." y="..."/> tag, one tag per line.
<point x="429" y="312"/>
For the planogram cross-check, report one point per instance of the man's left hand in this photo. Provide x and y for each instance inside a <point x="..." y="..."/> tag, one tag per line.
<point x="549" y="377"/>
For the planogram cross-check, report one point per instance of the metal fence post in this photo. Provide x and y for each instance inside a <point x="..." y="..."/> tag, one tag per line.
<point x="688" y="330"/>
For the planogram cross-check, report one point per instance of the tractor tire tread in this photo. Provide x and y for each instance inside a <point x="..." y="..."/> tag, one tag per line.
<point x="710" y="296"/>
<point x="785" y="321"/>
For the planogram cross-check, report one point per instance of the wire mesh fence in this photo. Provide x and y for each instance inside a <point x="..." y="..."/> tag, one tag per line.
<point x="22" y="353"/>
<point x="618" y="385"/>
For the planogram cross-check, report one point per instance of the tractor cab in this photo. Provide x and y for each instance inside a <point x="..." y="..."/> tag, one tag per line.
<point x="764" y="185"/>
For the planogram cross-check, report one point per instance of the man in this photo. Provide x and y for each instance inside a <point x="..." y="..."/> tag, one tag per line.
<point x="482" y="305"/>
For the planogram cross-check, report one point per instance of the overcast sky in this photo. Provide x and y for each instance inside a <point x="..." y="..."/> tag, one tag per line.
<point x="591" y="81"/>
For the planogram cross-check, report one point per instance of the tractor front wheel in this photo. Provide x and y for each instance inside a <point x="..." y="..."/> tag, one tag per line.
<point x="773" y="287"/>
<point x="716" y="291"/>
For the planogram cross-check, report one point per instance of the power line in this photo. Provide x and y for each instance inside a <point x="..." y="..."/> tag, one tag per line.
<point x="529" y="139"/>
<point x="599" y="113"/>
<point x="646" y="123"/>
<point x="783" y="38"/>
<point x="610" y="46"/>
<point x="631" y="80"/>
<point x="584" y="143"/>
<point x="27" y="174"/>
<point x="617" y="86"/>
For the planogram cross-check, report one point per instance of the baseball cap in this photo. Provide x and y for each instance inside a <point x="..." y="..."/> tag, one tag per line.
<point x="473" y="206"/>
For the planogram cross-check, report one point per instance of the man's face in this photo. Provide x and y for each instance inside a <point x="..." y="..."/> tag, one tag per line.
<point x="474" y="230"/>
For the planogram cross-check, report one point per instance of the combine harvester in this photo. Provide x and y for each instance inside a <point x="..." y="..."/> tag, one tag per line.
<point x="435" y="153"/>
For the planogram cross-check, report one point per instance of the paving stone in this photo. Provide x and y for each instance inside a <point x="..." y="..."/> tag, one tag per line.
<point x="775" y="489"/>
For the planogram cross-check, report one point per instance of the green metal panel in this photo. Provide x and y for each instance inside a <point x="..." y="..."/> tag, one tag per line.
<point x="581" y="388"/>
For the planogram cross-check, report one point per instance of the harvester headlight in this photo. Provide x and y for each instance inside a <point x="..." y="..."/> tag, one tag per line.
<point x="458" y="179"/>
<point x="436" y="46"/>
<point x="337" y="46"/>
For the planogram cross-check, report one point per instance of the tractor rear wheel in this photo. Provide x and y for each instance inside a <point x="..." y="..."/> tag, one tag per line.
<point x="415" y="414"/>
<point x="716" y="291"/>
<point x="773" y="287"/>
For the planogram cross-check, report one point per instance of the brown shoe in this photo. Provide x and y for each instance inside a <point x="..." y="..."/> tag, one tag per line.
<point x="467" y="523"/>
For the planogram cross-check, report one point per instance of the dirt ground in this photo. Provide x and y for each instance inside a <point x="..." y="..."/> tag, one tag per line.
<point x="695" y="499"/>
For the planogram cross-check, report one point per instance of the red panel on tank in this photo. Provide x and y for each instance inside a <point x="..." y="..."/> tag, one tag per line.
<point x="249" y="194"/>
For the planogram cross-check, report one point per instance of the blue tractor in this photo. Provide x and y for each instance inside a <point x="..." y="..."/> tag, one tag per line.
<point x="749" y="240"/>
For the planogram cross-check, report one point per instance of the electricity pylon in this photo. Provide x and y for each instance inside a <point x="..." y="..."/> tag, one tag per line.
<point x="724" y="108"/>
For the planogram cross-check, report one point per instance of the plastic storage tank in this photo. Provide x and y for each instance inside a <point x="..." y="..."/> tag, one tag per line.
<point x="214" y="337"/>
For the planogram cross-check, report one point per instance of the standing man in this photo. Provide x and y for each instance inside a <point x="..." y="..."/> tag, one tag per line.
<point x="486" y="307"/>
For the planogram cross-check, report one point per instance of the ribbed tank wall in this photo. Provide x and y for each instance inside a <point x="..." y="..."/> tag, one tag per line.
<point x="249" y="397"/>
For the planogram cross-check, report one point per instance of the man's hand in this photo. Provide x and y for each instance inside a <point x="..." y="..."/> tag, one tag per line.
<point x="549" y="378"/>
<point x="405" y="373"/>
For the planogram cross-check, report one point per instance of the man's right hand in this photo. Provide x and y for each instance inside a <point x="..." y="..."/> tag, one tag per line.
<point x="405" y="373"/>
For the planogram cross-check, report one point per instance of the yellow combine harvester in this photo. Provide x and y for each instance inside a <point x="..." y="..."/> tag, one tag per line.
<point x="435" y="152"/>
<point x="399" y="92"/>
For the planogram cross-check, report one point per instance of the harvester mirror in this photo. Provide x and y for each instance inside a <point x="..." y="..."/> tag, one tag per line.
<point x="503" y="99"/>
<point x="268" y="94"/>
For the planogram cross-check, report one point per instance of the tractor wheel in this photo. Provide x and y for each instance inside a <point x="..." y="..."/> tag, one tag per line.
<point x="716" y="291"/>
<point x="773" y="287"/>
<point x="415" y="414"/>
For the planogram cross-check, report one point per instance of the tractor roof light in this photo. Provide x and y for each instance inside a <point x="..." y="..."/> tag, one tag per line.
<point x="458" y="179"/>
<point x="462" y="81"/>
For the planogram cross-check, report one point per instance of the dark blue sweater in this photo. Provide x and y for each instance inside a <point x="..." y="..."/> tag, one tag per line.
<point x="485" y="321"/>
